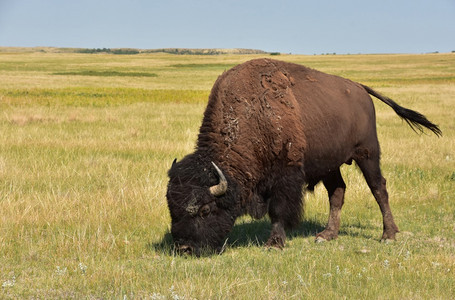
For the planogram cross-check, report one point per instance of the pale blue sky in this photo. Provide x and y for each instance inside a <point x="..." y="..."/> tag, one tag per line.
<point x="288" y="26"/>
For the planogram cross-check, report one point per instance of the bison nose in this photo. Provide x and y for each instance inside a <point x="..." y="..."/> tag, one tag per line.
<point x="186" y="250"/>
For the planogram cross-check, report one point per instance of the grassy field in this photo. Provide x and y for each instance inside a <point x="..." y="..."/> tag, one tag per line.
<point x="85" y="144"/>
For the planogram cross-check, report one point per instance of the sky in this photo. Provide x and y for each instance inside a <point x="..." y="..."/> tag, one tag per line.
<point x="286" y="26"/>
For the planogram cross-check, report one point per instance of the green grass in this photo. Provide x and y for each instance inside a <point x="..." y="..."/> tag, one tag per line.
<point x="106" y="73"/>
<point x="83" y="162"/>
<point x="204" y="66"/>
<point x="98" y="97"/>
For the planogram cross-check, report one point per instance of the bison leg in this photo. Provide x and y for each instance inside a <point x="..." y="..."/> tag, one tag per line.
<point x="377" y="183"/>
<point x="285" y="207"/>
<point x="335" y="186"/>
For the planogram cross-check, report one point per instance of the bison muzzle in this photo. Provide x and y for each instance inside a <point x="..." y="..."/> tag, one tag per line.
<point x="270" y="130"/>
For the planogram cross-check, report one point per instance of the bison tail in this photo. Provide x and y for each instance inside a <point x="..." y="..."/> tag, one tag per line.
<point x="414" y="119"/>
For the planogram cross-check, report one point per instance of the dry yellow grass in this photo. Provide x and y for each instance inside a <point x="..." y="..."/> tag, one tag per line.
<point x="83" y="162"/>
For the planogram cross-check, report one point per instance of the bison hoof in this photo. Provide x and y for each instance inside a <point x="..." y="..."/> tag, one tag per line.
<point x="326" y="235"/>
<point x="269" y="248"/>
<point x="275" y="242"/>
<point x="320" y="239"/>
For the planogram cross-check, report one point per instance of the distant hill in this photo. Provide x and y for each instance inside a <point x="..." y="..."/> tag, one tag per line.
<point x="131" y="51"/>
<point x="215" y="51"/>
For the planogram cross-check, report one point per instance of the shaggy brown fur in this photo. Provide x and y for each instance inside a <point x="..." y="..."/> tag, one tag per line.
<point x="273" y="127"/>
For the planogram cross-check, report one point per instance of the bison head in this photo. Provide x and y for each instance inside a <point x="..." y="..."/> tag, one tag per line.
<point x="201" y="204"/>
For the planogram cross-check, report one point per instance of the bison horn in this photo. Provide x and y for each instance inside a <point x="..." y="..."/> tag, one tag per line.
<point x="173" y="163"/>
<point x="221" y="188"/>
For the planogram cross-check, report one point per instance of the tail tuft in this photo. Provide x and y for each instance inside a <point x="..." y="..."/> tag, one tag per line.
<point x="415" y="120"/>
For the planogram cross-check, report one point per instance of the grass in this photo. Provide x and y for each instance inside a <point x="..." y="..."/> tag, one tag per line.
<point x="83" y="162"/>
<point x="99" y="96"/>
<point x="107" y="73"/>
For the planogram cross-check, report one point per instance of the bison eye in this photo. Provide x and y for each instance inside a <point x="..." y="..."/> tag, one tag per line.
<point x="204" y="211"/>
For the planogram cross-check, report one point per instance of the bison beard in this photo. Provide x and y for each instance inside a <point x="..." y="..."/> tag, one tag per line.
<point x="271" y="129"/>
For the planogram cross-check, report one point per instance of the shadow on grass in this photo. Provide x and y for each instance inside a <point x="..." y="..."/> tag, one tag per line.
<point x="166" y="246"/>
<point x="257" y="232"/>
<point x="247" y="234"/>
<point x="361" y="230"/>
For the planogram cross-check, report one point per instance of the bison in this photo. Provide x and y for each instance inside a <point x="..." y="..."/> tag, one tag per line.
<point x="270" y="130"/>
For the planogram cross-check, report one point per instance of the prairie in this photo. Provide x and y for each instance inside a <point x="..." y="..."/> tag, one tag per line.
<point x="85" y="144"/>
